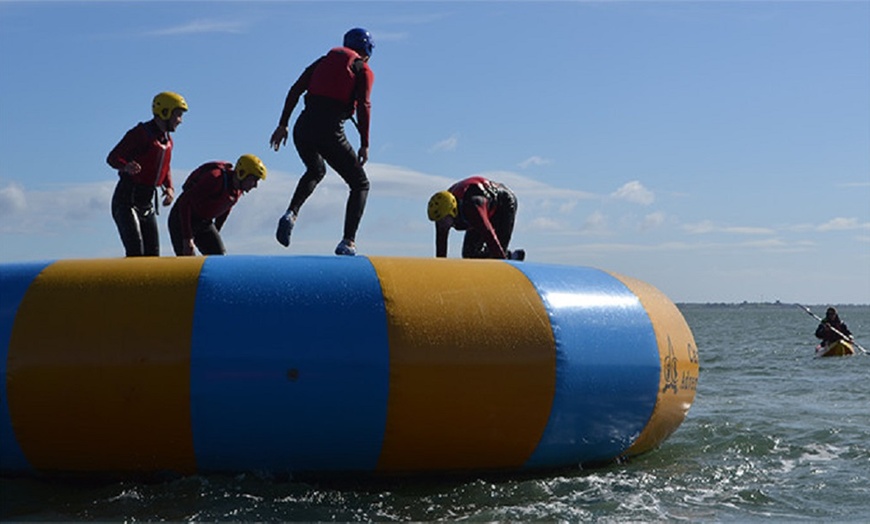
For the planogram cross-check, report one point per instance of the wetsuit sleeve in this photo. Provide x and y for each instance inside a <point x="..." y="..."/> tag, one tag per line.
<point x="219" y="221"/>
<point x="296" y="90"/>
<point x="441" y="234"/>
<point x="167" y="182"/>
<point x="363" y="90"/>
<point x="126" y="149"/>
<point x="475" y="212"/>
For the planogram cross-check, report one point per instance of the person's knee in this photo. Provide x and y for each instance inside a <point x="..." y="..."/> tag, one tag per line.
<point x="314" y="174"/>
<point x="359" y="183"/>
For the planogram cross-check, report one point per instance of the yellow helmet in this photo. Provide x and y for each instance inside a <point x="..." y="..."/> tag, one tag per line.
<point x="166" y="102"/>
<point x="250" y="165"/>
<point x="442" y="204"/>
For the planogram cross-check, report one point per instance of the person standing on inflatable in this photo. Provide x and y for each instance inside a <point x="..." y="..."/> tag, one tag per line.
<point x="338" y="85"/>
<point x="485" y="210"/>
<point x="142" y="159"/>
<point x="208" y="195"/>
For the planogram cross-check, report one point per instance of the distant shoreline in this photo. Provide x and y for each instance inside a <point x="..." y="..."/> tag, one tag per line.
<point x="776" y="304"/>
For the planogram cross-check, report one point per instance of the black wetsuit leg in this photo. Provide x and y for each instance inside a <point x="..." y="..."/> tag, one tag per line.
<point x="473" y="245"/>
<point x="505" y="214"/>
<point x="206" y="236"/>
<point x="133" y="212"/>
<point x="305" y="140"/>
<point x="208" y="239"/>
<point x="320" y="137"/>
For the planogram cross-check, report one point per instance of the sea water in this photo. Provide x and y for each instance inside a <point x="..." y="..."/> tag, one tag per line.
<point x="773" y="435"/>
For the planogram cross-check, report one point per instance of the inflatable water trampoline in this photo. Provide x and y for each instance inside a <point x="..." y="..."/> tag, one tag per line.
<point x="310" y="364"/>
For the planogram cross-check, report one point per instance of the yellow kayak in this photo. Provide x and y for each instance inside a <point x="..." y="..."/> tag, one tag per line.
<point x="840" y="348"/>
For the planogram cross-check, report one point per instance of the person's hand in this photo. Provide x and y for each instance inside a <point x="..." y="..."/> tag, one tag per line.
<point x="168" y="195"/>
<point x="279" y="137"/>
<point x="363" y="155"/>
<point x="132" y="168"/>
<point x="187" y="248"/>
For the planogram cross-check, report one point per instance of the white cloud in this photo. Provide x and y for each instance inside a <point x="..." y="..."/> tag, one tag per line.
<point x="652" y="221"/>
<point x="398" y="181"/>
<point x="389" y="36"/>
<point x="707" y="226"/>
<point x="528" y="189"/>
<point x="201" y="27"/>
<point x="543" y="224"/>
<point x="700" y="228"/>
<point x="448" y="144"/>
<point x="534" y="161"/>
<point x="595" y="223"/>
<point x="52" y="210"/>
<point x="743" y="230"/>
<point x="769" y="243"/>
<point x="634" y="192"/>
<point x="12" y="200"/>
<point x="567" y="207"/>
<point x="842" y="224"/>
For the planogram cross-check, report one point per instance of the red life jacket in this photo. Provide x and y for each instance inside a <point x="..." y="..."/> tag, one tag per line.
<point x="335" y="75"/>
<point x="487" y="188"/>
<point x="144" y="144"/>
<point x="207" y="194"/>
<point x="208" y="190"/>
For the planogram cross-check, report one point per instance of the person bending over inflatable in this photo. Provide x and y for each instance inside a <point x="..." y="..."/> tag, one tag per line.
<point x="485" y="210"/>
<point x="208" y="195"/>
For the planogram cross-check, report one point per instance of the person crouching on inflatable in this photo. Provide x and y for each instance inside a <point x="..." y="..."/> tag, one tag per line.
<point x="208" y="195"/>
<point x="485" y="210"/>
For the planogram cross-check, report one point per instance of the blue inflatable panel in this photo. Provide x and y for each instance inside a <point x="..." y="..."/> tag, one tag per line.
<point x="14" y="281"/>
<point x="325" y="309"/>
<point x="600" y="327"/>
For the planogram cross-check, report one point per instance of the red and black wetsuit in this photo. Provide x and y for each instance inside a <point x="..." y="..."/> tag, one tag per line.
<point x="133" y="205"/>
<point x="200" y="211"/>
<point x="487" y="211"/>
<point x="338" y="85"/>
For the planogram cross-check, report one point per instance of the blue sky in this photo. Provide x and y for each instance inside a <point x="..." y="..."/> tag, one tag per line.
<point x="719" y="151"/>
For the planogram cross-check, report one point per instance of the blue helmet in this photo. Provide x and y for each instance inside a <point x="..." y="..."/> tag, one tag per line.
<point x="360" y="41"/>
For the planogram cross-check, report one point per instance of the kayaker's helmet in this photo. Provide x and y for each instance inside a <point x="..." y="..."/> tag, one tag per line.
<point x="167" y="102"/>
<point x="360" y="41"/>
<point x="250" y="165"/>
<point x="442" y="204"/>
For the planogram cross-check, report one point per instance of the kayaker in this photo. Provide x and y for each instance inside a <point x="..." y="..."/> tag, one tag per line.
<point x="142" y="159"/>
<point x="484" y="209"/>
<point x="828" y="329"/>
<point x="208" y="195"/>
<point x="338" y="85"/>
